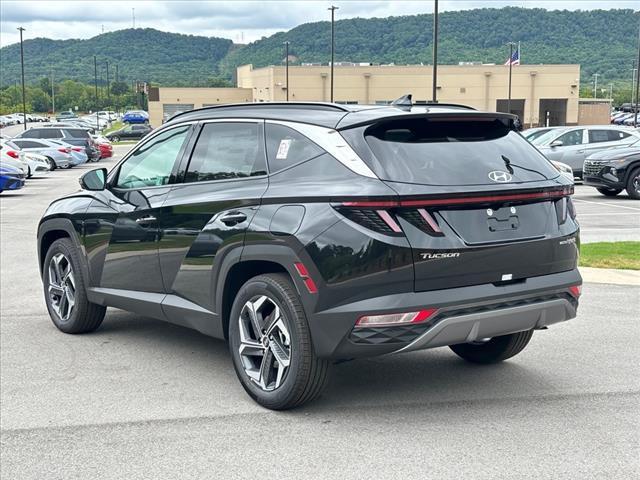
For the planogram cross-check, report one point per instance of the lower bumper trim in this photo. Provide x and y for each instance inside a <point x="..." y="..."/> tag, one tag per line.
<point x="474" y="326"/>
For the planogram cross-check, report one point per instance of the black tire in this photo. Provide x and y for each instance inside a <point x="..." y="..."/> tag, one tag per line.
<point x="495" y="350"/>
<point x="115" y="139"/>
<point x="633" y="184"/>
<point x="608" y="192"/>
<point x="85" y="316"/>
<point x="306" y="375"/>
<point x="52" y="164"/>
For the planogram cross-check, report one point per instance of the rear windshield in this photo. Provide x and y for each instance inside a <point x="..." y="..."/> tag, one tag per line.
<point x="450" y="151"/>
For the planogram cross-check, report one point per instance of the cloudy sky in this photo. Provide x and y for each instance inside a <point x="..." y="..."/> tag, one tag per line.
<point x="238" y="20"/>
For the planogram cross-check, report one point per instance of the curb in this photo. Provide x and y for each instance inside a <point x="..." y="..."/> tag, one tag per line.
<point x="610" y="275"/>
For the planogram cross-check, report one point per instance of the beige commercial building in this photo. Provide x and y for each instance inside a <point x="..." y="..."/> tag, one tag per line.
<point x="540" y="94"/>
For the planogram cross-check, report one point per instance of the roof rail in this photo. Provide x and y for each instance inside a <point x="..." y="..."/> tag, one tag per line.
<point x="239" y="106"/>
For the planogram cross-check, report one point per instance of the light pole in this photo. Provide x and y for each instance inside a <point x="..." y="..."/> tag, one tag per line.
<point x="435" y="53"/>
<point x="53" y="94"/>
<point x="635" y="118"/>
<point x="595" y="85"/>
<point x="511" y="45"/>
<point x="286" y="67"/>
<point x="333" y="44"/>
<point x="24" y="100"/>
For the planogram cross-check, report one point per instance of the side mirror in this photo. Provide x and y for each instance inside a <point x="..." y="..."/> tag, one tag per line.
<point x="556" y="143"/>
<point x="94" y="180"/>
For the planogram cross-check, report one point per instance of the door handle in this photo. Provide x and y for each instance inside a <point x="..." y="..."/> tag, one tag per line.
<point x="233" y="218"/>
<point x="145" y="220"/>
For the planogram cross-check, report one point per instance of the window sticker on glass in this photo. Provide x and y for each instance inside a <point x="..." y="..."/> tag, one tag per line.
<point x="283" y="149"/>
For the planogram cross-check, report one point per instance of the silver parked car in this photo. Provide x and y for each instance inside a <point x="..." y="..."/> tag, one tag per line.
<point x="58" y="155"/>
<point x="572" y="145"/>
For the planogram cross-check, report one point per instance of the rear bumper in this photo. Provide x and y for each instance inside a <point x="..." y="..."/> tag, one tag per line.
<point x="464" y="314"/>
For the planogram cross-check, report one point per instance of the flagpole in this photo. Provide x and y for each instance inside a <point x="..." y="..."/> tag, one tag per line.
<point x="510" y="67"/>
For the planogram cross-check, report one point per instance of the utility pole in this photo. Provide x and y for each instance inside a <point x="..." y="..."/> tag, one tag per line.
<point x="24" y="99"/>
<point x="333" y="43"/>
<point x="635" y="118"/>
<point x="286" y="68"/>
<point x="53" y="94"/>
<point x="108" y="87"/>
<point x="511" y="45"/>
<point x="95" y="74"/>
<point x="595" y="85"/>
<point x="435" y="53"/>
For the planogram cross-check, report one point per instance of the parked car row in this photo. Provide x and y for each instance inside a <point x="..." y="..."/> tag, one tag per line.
<point x="42" y="149"/>
<point x="624" y="118"/>
<point x="604" y="156"/>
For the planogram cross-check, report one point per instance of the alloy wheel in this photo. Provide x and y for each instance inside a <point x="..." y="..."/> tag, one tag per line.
<point x="265" y="343"/>
<point x="62" y="286"/>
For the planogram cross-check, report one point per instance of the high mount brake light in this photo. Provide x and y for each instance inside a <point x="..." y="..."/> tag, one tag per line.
<point x="392" y="319"/>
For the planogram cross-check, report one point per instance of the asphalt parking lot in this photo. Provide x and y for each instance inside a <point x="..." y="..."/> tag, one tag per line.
<point x="141" y="398"/>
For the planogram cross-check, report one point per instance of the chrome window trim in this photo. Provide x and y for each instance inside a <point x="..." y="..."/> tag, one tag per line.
<point x="331" y="142"/>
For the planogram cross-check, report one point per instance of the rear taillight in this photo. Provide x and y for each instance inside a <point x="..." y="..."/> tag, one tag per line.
<point x="391" y="319"/>
<point x="575" y="291"/>
<point x="13" y="154"/>
<point x="304" y="274"/>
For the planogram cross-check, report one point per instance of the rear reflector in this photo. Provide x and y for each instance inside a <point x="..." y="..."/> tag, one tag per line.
<point x="304" y="274"/>
<point x="392" y="319"/>
<point x="575" y="291"/>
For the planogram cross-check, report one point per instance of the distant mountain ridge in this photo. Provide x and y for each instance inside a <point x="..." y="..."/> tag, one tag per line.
<point x="602" y="41"/>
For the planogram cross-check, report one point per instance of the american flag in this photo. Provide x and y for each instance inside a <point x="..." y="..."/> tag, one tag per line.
<point x="515" y="58"/>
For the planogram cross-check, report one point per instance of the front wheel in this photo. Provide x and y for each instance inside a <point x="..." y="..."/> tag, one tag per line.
<point x="64" y="290"/>
<point x="609" y="192"/>
<point x="271" y="344"/>
<point x="633" y="184"/>
<point x="494" y="350"/>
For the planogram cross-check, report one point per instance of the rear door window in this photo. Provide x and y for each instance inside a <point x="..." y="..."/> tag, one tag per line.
<point x="226" y="151"/>
<point x="287" y="147"/>
<point x="599" y="136"/>
<point x="442" y="151"/>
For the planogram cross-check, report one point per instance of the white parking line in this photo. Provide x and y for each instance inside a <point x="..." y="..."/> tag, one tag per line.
<point x="607" y="204"/>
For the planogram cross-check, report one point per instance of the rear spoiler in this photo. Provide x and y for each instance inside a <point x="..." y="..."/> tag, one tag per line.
<point x="463" y="116"/>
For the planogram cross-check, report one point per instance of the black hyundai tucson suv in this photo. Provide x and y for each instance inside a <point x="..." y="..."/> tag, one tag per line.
<point x="309" y="233"/>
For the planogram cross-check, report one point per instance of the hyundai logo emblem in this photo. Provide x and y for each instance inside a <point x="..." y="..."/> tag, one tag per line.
<point x="500" y="176"/>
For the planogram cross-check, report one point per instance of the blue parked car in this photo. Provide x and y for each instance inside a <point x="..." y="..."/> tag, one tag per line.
<point x="136" y="116"/>
<point x="11" y="178"/>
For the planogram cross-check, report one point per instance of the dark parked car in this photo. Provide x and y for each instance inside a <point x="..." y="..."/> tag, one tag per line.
<point x="79" y="137"/>
<point x="130" y="132"/>
<point x="615" y="170"/>
<point x="309" y="233"/>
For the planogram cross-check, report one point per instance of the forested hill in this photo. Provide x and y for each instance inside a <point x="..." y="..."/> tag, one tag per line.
<point x="141" y="54"/>
<point x="602" y="41"/>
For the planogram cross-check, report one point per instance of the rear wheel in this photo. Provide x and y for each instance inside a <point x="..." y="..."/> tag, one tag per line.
<point x="633" y="184"/>
<point x="271" y="345"/>
<point x="495" y="350"/>
<point x="64" y="290"/>
<point x="609" y="192"/>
